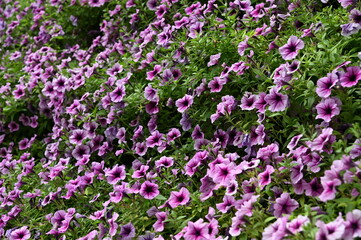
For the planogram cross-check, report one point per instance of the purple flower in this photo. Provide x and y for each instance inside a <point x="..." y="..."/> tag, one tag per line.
<point x="164" y="162"/>
<point x="352" y="225"/>
<point x="151" y="94"/>
<point x="184" y="103"/>
<point x="216" y="84"/>
<point x="329" y="189"/>
<point x="332" y="230"/>
<point x="284" y="205"/>
<point x="328" y="108"/>
<point x="77" y="136"/>
<point x="356" y="150"/>
<point x="355" y="16"/>
<point x="173" y="134"/>
<point x="296" y="225"/>
<point x="275" y="231"/>
<point x="149" y="190"/>
<point x="325" y="84"/>
<point x="20" y="234"/>
<point x="179" y="198"/>
<point x="197" y="230"/>
<point x="277" y="102"/>
<point x="242" y="46"/>
<point x="159" y="224"/>
<point x="265" y="177"/>
<point x="79" y="151"/>
<point x="324" y="140"/>
<point x="127" y="231"/>
<point x="290" y="49"/>
<point x="248" y="101"/>
<point x="115" y="174"/>
<point x="157" y="69"/>
<point x="351" y="76"/>
<point x="213" y="60"/>
<point x="314" y="188"/>
<point x="350" y="28"/>
<point x="118" y="93"/>
<point x="155" y="139"/>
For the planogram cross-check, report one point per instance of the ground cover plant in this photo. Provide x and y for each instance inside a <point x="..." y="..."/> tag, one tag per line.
<point x="179" y="119"/>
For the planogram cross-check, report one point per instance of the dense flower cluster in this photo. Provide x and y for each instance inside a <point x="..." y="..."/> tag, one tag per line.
<point x="177" y="119"/>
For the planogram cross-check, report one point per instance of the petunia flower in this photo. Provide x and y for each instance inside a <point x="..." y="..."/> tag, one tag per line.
<point x="127" y="231"/>
<point x="277" y="102"/>
<point x="22" y="233"/>
<point x="179" y="198"/>
<point x="276" y="230"/>
<point x="265" y="177"/>
<point x="325" y="84"/>
<point x="290" y="49"/>
<point x="352" y="225"/>
<point x="284" y="205"/>
<point x="351" y="76"/>
<point x="184" y="103"/>
<point x="213" y="60"/>
<point x="159" y="224"/>
<point x="115" y="174"/>
<point x="197" y="230"/>
<point x="149" y="190"/>
<point x="296" y="225"/>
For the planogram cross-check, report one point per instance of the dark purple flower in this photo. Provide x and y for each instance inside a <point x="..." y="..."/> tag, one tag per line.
<point x="284" y="205"/>
<point x="157" y="69"/>
<point x="248" y="101"/>
<point x="155" y="139"/>
<point x="149" y="190"/>
<point x="314" y="188"/>
<point x="127" y="231"/>
<point x="351" y="76"/>
<point x="290" y="50"/>
<point x="216" y="84"/>
<point x="118" y="93"/>
<point x="355" y="16"/>
<point x="265" y="177"/>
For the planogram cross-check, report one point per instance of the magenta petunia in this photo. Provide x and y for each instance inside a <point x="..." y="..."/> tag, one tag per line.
<point x="290" y="49"/>
<point x="351" y="76"/>
<point x="115" y="174"/>
<point x="352" y="225"/>
<point x="197" y="230"/>
<point x="149" y="190"/>
<point x="179" y="198"/>
<point x="22" y="233"/>
<point x="265" y="177"/>
<point x="184" y="103"/>
<point x="328" y="108"/>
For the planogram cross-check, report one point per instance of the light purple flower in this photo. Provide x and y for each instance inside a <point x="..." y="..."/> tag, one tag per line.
<point x="328" y="108"/>
<point x="350" y="29"/>
<point x="284" y="205"/>
<point x="290" y="50"/>
<point x="325" y="84"/>
<point x="276" y="231"/>
<point x="352" y="225"/>
<point x="265" y="177"/>
<point x="277" y="102"/>
<point x="214" y="60"/>
<point x="115" y="174"/>
<point x="296" y="225"/>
